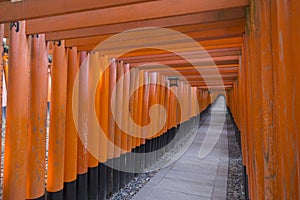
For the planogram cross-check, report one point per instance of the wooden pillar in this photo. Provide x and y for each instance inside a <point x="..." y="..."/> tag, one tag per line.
<point x="1" y="83"/>
<point x="82" y="160"/>
<point x="162" y="103"/>
<point x="135" y="109"/>
<point x="103" y="107"/>
<point x="118" y="133"/>
<point x="103" y="95"/>
<point x="131" y="139"/>
<point x="157" y="101"/>
<point x="295" y="10"/>
<point x="71" y="140"/>
<point x="123" y="72"/>
<point x="119" y="110"/>
<point x="92" y="135"/>
<point x="133" y="105"/>
<point x="264" y="10"/>
<point x="111" y="121"/>
<point x="249" y="114"/>
<point x="145" y="112"/>
<point x="152" y="100"/>
<point x="57" y="130"/>
<point x="142" y="141"/>
<point x="15" y="161"/>
<point x="256" y="102"/>
<point x="35" y="183"/>
<point x="285" y="30"/>
<point x="125" y="137"/>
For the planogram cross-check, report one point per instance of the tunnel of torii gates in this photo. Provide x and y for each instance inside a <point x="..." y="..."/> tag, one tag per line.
<point x="254" y="44"/>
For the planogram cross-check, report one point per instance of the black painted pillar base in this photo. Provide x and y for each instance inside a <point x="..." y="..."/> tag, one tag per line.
<point x="142" y="150"/>
<point x="129" y="162"/>
<point x="82" y="186"/>
<point x="93" y="183"/>
<point x="246" y="183"/>
<point x="123" y="174"/>
<point x="109" y="178"/>
<point x="134" y="160"/>
<point x="40" y="198"/>
<point x="147" y="150"/>
<point x="102" y="181"/>
<point x="116" y="174"/>
<point x="55" y="195"/>
<point x="70" y="190"/>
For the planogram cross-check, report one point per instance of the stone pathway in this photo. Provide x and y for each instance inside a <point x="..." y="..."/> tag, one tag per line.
<point x="192" y="178"/>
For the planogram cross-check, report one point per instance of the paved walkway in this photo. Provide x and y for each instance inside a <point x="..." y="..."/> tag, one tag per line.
<point x="192" y="178"/>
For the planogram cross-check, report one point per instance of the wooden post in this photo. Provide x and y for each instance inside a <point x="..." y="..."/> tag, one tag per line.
<point x="14" y="182"/>
<point x="125" y="137"/>
<point x="103" y="95"/>
<point x="111" y="102"/>
<point x="119" y="110"/>
<point x="57" y="122"/>
<point x="111" y="122"/>
<point x="284" y="15"/>
<point x="92" y="135"/>
<point x="71" y="141"/>
<point x="35" y="184"/>
<point x="82" y="160"/>
<point x="1" y="83"/>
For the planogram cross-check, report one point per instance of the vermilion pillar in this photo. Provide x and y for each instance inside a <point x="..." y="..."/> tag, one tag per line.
<point x="132" y="139"/>
<point x="111" y="108"/>
<point x="1" y="81"/>
<point x="126" y="85"/>
<point x="111" y="122"/>
<point x="103" y="107"/>
<point x="103" y="96"/>
<point x="82" y="160"/>
<point x="140" y="107"/>
<point x="145" y="112"/>
<point x="57" y="129"/>
<point x="15" y="160"/>
<point x="92" y="135"/>
<point x="152" y="100"/>
<point x="119" y="110"/>
<point x="35" y="181"/>
<point x="70" y="169"/>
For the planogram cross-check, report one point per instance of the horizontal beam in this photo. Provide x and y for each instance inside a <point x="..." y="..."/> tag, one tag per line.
<point x="161" y="59"/>
<point x="154" y="52"/>
<point x="31" y="9"/>
<point x="173" y="22"/>
<point x="196" y="61"/>
<point x="210" y="80"/>
<point x="141" y="37"/>
<point x="202" y="71"/>
<point x="229" y="77"/>
<point x="196" y="73"/>
<point x="182" y="46"/>
<point x="164" y="54"/>
<point x="210" y="84"/>
<point x="135" y="12"/>
<point x="215" y="87"/>
<point x="185" y="67"/>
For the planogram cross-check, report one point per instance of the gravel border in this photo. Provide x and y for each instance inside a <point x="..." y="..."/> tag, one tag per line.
<point x="235" y="181"/>
<point x="131" y="188"/>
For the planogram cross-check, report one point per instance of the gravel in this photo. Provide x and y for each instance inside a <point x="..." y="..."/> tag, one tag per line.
<point x="235" y="181"/>
<point x="131" y="188"/>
